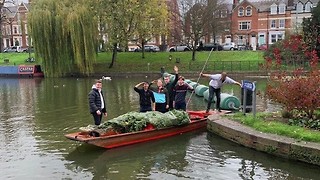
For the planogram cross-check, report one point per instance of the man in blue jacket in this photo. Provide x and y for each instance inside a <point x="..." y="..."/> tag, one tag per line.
<point x="97" y="103"/>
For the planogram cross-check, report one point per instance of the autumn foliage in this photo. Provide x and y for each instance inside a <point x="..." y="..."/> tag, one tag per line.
<point x="295" y="77"/>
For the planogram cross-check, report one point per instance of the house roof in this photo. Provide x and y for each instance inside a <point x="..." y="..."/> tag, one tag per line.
<point x="264" y="5"/>
<point x="305" y="1"/>
<point x="11" y="11"/>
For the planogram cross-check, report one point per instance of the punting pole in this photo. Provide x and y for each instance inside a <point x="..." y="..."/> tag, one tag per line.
<point x="204" y="66"/>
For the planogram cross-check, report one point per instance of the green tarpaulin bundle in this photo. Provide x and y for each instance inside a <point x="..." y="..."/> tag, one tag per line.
<point x="136" y="121"/>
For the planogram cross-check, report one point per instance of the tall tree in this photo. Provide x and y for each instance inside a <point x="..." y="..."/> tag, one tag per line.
<point x="195" y="21"/>
<point x="199" y="18"/>
<point x="219" y="19"/>
<point x="121" y="23"/>
<point x="311" y="29"/>
<point x="152" y="20"/>
<point x="128" y="20"/>
<point x="64" y="35"/>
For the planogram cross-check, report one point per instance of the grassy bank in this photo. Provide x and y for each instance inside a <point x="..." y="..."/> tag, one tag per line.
<point x="221" y="60"/>
<point x="133" y="62"/>
<point x="272" y="123"/>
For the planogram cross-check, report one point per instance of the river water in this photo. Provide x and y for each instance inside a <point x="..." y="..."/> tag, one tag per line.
<point x="36" y="113"/>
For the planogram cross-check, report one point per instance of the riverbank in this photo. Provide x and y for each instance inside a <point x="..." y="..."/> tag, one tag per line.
<point x="131" y="62"/>
<point x="187" y="74"/>
<point x="308" y="152"/>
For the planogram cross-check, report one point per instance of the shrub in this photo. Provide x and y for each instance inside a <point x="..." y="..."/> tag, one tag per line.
<point x="296" y="89"/>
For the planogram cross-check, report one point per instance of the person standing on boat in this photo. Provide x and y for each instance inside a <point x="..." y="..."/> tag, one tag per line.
<point x="146" y="97"/>
<point x="161" y="96"/>
<point x="215" y="84"/>
<point x="180" y="92"/>
<point x="170" y="85"/>
<point x="97" y="103"/>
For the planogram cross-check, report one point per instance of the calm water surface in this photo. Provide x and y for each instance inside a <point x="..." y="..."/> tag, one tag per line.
<point x="36" y="113"/>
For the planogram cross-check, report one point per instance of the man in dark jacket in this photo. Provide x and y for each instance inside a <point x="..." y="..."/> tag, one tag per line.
<point x="146" y="97"/>
<point x="180" y="92"/>
<point x="97" y="103"/>
<point x="170" y="85"/>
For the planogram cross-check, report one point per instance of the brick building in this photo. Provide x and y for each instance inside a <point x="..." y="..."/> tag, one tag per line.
<point x="245" y="22"/>
<point x="265" y="22"/>
<point x="14" y="26"/>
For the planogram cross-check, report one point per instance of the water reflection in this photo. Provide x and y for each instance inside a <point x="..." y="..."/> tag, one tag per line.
<point x="257" y="165"/>
<point x="36" y="113"/>
<point x="133" y="162"/>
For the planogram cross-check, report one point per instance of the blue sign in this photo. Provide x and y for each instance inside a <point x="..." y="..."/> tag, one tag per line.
<point x="248" y="85"/>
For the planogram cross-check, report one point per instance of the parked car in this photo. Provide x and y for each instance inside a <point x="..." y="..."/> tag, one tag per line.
<point x="208" y="47"/>
<point x="132" y="48"/>
<point x="263" y="47"/>
<point x="13" y="49"/>
<point x="244" y="47"/>
<point x="148" y="48"/>
<point x="151" y="48"/>
<point x="230" y="46"/>
<point x="27" y="49"/>
<point x="179" y="48"/>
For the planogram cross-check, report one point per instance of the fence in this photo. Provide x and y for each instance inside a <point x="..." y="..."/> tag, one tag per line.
<point x="230" y="66"/>
<point x="195" y="66"/>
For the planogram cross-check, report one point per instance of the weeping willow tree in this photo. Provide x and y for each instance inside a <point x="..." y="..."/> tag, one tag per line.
<point x="64" y="35"/>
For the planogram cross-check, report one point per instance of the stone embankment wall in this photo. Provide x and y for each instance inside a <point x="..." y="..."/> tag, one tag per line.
<point x="274" y="144"/>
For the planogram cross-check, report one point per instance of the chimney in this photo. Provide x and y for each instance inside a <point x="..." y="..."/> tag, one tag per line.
<point x="291" y="3"/>
<point x="235" y="3"/>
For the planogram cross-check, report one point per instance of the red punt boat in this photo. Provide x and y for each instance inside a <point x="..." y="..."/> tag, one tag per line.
<point x="108" y="141"/>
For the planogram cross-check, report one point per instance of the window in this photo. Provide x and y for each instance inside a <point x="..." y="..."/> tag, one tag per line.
<point x="282" y="23"/>
<point x="8" y="30"/>
<point x="249" y="11"/>
<point x="308" y="7"/>
<point x="240" y="12"/>
<point x="280" y="37"/>
<point x="216" y="14"/>
<point x="299" y="7"/>
<point x="26" y="28"/>
<point x="273" y="24"/>
<point x="276" y="36"/>
<point x="241" y="40"/>
<point x="244" y="25"/>
<point x="15" y="30"/>
<point x="273" y="38"/>
<point x="282" y="9"/>
<point x="224" y="13"/>
<point x="273" y="9"/>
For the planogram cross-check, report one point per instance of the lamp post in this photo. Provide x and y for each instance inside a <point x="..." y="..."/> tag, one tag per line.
<point x="296" y="24"/>
<point x="1" y="19"/>
<point x="267" y="30"/>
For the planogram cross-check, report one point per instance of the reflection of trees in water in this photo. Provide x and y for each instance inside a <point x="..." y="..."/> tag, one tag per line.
<point x="18" y="99"/>
<point x="133" y="162"/>
<point x="121" y="96"/>
<point x="255" y="164"/>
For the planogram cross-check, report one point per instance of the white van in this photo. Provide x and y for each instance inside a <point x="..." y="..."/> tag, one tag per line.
<point x="13" y="49"/>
